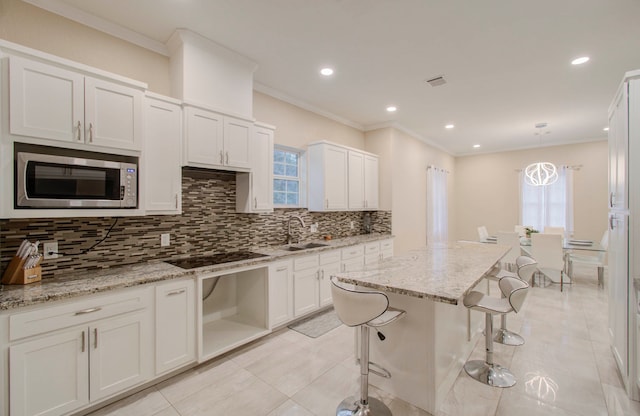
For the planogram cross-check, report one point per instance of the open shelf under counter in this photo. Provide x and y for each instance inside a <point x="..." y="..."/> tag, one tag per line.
<point x="233" y="311"/>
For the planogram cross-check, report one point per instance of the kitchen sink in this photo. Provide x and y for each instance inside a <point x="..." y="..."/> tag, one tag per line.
<point x="300" y="247"/>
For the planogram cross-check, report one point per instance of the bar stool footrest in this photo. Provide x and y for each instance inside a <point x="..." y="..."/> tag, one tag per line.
<point x="506" y="337"/>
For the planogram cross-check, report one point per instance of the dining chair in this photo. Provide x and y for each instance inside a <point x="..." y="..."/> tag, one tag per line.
<point x="554" y="230"/>
<point x="598" y="260"/>
<point x="483" y="234"/>
<point x="511" y="239"/>
<point x="547" y="250"/>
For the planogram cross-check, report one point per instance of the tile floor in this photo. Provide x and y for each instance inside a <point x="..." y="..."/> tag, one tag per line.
<point x="565" y="368"/>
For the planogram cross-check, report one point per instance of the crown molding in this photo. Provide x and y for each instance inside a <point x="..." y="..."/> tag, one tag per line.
<point x="102" y="25"/>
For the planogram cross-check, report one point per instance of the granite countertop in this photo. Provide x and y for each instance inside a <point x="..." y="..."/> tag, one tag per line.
<point x="442" y="274"/>
<point x="78" y="283"/>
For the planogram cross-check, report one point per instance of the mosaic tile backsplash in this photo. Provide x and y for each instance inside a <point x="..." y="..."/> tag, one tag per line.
<point x="208" y="224"/>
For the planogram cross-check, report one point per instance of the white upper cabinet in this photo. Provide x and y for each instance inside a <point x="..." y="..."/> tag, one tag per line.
<point x="363" y="181"/>
<point x="328" y="172"/>
<point x="162" y="156"/>
<point x="214" y="140"/>
<point x="618" y="149"/>
<point x="53" y="103"/>
<point x="254" y="190"/>
<point x="341" y="178"/>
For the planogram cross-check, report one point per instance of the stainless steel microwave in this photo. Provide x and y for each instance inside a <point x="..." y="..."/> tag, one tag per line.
<point x="52" y="177"/>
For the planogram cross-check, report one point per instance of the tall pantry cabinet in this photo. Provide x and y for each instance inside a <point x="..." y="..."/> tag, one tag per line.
<point x="624" y="230"/>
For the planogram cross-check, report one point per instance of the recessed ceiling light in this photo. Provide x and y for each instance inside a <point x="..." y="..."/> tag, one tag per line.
<point x="326" y="71"/>
<point x="580" y="61"/>
<point x="606" y="129"/>
<point x="449" y="126"/>
<point x="391" y="108"/>
<point x="475" y="146"/>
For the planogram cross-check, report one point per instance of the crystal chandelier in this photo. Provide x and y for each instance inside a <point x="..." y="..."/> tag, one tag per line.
<point x="541" y="173"/>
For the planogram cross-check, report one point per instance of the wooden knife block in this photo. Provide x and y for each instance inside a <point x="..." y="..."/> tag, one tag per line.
<point x="17" y="275"/>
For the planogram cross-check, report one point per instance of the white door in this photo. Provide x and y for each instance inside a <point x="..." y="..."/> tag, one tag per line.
<point x="371" y="182"/>
<point x="113" y="115"/>
<point x="619" y="290"/>
<point x="175" y="325"/>
<point x="305" y="297"/>
<point x="162" y="155"/>
<point x="49" y="376"/>
<point x="262" y="170"/>
<point x="356" y="180"/>
<point x="280" y="294"/>
<point x="203" y="137"/>
<point x="335" y="178"/>
<point x="119" y="354"/>
<point x="237" y="143"/>
<point x="45" y="101"/>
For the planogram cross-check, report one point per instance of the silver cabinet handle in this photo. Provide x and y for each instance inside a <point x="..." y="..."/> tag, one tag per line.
<point x="176" y="292"/>
<point x="281" y="269"/>
<point x="255" y="202"/>
<point x="322" y="274"/>
<point x="227" y="158"/>
<point x="221" y="157"/>
<point x="95" y="338"/>
<point x="327" y="204"/>
<point x="90" y="310"/>
<point x="83" y="340"/>
<point x="79" y="133"/>
<point x="611" y="199"/>
<point x="318" y="275"/>
<point x="176" y="198"/>
<point x="611" y="221"/>
<point x="90" y="132"/>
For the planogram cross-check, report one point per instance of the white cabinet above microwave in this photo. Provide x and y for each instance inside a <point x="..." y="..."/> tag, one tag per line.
<point x="54" y="103"/>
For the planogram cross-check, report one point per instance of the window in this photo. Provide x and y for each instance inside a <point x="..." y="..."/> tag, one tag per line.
<point x="286" y="177"/>
<point x="548" y="206"/>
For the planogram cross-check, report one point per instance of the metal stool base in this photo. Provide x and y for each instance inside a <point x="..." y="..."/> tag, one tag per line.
<point x="506" y="337"/>
<point x="492" y="375"/>
<point x="352" y="406"/>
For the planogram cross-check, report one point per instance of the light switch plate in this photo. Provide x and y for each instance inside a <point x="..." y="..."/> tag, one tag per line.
<point x="50" y="247"/>
<point x="165" y="240"/>
<point x="314" y="227"/>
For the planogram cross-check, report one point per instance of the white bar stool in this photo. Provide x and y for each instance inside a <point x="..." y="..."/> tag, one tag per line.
<point x="366" y="310"/>
<point x="487" y="371"/>
<point x="526" y="268"/>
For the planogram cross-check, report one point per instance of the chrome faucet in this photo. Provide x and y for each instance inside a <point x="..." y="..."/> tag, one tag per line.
<point x="289" y="236"/>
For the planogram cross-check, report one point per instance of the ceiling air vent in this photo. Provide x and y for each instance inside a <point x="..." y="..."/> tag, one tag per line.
<point x="436" y="81"/>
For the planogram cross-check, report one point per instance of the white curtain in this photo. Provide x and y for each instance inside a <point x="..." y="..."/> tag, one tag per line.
<point x="437" y="218"/>
<point x="550" y="205"/>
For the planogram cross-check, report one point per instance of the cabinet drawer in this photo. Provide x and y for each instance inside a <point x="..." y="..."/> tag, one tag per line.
<point x="330" y="257"/>
<point x="371" y="248"/>
<point x="51" y="318"/>
<point x="386" y="245"/>
<point x="307" y="262"/>
<point x="352" y="252"/>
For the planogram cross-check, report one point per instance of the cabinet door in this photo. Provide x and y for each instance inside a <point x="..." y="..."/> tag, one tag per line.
<point x="119" y="354"/>
<point x="386" y="249"/>
<point x="326" y="272"/>
<point x="175" y="325"/>
<point x="45" y="101"/>
<point x="203" y="137"/>
<point x="262" y="169"/>
<point x="237" y="143"/>
<point x="353" y="264"/>
<point x="371" y="182"/>
<point x="113" y="115"/>
<point x="163" y="156"/>
<point x="356" y="180"/>
<point x="618" y="149"/>
<point x="305" y="297"/>
<point x="335" y="177"/>
<point x="48" y="376"/>
<point x="280" y="294"/>
<point x="619" y="290"/>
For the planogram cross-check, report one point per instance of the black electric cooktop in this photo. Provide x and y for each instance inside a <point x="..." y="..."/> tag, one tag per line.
<point x="195" y="262"/>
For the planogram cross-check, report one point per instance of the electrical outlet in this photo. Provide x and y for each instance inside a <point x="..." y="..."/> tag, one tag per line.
<point x="50" y="250"/>
<point x="352" y="225"/>
<point x="165" y="240"/>
<point x="314" y="227"/>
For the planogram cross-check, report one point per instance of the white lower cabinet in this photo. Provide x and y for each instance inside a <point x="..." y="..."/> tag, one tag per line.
<point x="329" y="265"/>
<point x="306" y="275"/>
<point x="352" y="258"/>
<point x="280" y="293"/>
<point x="175" y="325"/>
<point x="72" y="355"/>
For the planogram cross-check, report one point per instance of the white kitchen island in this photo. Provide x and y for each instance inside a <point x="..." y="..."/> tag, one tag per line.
<point x="426" y="349"/>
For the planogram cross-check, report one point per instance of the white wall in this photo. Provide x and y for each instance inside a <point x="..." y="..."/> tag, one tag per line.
<point x="487" y="191"/>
